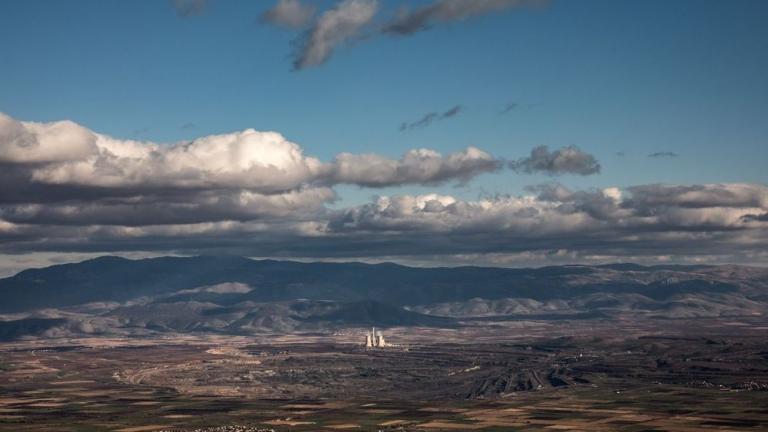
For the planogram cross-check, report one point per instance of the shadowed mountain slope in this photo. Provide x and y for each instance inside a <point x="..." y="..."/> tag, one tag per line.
<point x="117" y="279"/>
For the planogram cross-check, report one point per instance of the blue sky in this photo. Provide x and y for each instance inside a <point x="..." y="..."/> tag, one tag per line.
<point x="630" y="77"/>
<point x="607" y="76"/>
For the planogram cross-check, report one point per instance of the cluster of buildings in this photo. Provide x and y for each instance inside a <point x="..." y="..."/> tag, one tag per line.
<point x="374" y="339"/>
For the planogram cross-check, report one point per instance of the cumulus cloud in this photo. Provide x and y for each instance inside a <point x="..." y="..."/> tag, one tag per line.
<point x="334" y="27"/>
<point x="430" y="117"/>
<point x="664" y="154"/>
<point x="292" y="14"/>
<point x="65" y="174"/>
<point x="421" y="166"/>
<point x="67" y="154"/>
<point x="566" y="160"/>
<point x="608" y="222"/>
<point x="442" y="11"/>
<point x="185" y="8"/>
<point x="43" y="142"/>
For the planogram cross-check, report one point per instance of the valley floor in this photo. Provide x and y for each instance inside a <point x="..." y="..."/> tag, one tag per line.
<point x="684" y="375"/>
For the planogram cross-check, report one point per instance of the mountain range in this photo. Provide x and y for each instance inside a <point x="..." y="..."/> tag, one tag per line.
<point x="237" y="295"/>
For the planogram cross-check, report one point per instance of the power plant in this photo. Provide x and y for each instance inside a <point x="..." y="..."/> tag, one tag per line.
<point x="374" y="339"/>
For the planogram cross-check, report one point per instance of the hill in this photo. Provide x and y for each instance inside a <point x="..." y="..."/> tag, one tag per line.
<point x="238" y="295"/>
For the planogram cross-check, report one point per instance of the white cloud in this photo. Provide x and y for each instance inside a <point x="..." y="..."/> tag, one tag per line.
<point x="66" y="154"/>
<point x="257" y="161"/>
<point x="30" y="142"/>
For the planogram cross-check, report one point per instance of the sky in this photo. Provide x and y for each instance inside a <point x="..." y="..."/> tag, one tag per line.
<point x="437" y="132"/>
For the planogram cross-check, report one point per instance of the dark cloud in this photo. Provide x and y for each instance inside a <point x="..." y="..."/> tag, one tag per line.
<point x="292" y="14"/>
<point x="420" y="166"/>
<point x="443" y="11"/>
<point x="509" y="107"/>
<point x="186" y="8"/>
<point x="599" y="222"/>
<point x="452" y="112"/>
<point x="425" y="120"/>
<point x="334" y="27"/>
<point x="347" y="19"/>
<point x="607" y="224"/>
<point x="665" y="154"/>
<point x="428" y="118"/>
<point x="566" y="160"/>
<point x="755" y="217"/>
<point x="730" y="195"/>
<point x="190" y="208"/>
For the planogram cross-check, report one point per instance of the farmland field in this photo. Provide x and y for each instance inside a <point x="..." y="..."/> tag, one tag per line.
<point x="686" y="375"/>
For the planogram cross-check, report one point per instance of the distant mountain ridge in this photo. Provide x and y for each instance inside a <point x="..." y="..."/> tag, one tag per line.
<point x="235" y="295"/>
<point x="119" y="279"/>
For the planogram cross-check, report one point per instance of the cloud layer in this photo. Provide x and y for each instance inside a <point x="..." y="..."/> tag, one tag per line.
<point x="63" y="173"/>
<point x="650" y="221"/>
<point x="69" y="189"/>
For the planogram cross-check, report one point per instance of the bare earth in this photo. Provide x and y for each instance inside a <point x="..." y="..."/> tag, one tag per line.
<point x="683" y="375"/>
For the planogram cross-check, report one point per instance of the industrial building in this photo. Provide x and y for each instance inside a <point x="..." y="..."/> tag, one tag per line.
<point x="374" y="339"/>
